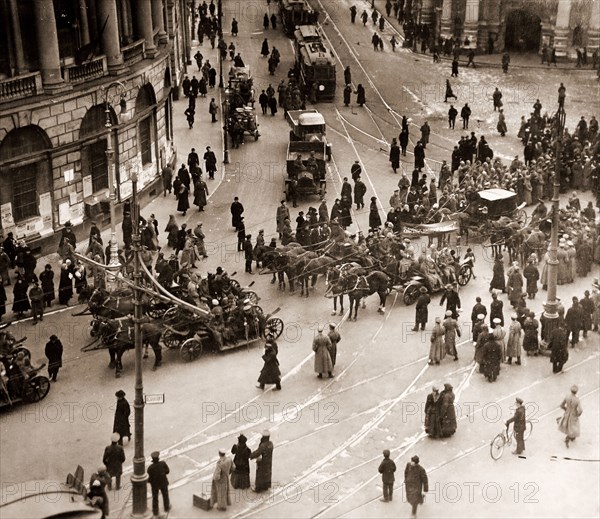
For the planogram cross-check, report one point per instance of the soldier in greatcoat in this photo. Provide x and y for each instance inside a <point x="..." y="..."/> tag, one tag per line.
<point x="569" y="423"/>
<point x="264" y="462"/>
<point x="321" y="346"/>
<point x="415" y="483"/>
<point x="421" y="312"/>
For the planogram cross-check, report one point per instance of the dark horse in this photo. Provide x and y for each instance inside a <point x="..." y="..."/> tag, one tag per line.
<point x="111" y="305"/>
<point x="118" y="335"/>
<point x="358" y="287"/>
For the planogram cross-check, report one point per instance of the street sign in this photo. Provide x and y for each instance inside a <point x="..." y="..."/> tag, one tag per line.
<point x="155" y="399"/>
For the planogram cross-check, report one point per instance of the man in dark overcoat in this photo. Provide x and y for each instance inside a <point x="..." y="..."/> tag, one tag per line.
<point x="264" y="463"/>
<point x="496" y="307"/>
<point x="270" y="373"/>
<point x="54" y="352"/>
<point x="478" y="308"/>
<point x="415" y="483"/>
<point x="113" y="459"/>
<point x="387" y="467"/>
<point x="360" y="189"/>
<point x="237" y="210"/>
<point x="452" y="300"/>
<point x="122" y="412"/>
<point x="158" y="481"/>
<point x="559" y="347"/>
<point x="421" y="311"/>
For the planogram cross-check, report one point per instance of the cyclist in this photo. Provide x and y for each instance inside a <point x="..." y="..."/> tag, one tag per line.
<point x="519" y="425"/>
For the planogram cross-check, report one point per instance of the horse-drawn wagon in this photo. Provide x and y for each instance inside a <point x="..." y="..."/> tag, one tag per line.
<point x="239" y="102"/>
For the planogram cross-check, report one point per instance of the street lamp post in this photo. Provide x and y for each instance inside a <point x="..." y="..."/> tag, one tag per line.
<point x="113" y="264"/>
<point x="551" y="306"/>
<point x="220" y="21"/>
<point x="139" y="479"/>
<point x="225" y="114"/>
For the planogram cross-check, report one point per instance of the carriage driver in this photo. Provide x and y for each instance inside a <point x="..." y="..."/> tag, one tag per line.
<point x="217" y="324"/>
<point x="298" y="164"/>
<point x="311" y="165"/>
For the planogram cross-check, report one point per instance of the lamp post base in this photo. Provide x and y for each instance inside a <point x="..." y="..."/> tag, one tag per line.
<point x="549" y="322"/>
<point x="139" y="496"/>
<point x="112" y="277"/>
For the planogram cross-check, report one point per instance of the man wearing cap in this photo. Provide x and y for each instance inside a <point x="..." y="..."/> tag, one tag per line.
<point x="355" y="170"/>
<point x="334" y="338"/>
<point x="519" y="421"/>
<point x="122" y="412"/>
<point x="496" y="312"/>
<point x="452" y="300"/>
<point x="478" y="309"/>
<point x="587" y="307"/>
<point x="113" y="459"/>
<point x="559" y="347"/>
<point x="421" y="311"/>
<point x="264" y="462"/>
<point x="158" y="481"/>
<point x="282" y="213"/>
<point x="248" y="253"/>
<point x="569" y="423"/>
<point x="360" y="189"/>
<point x="415" y="483"/>
<point x="478" y="326"/>
<point x="387" y="467"/>
<point x="574" y="321"/>
<point x="219" y="493"/>
<point x="321" y="346"/>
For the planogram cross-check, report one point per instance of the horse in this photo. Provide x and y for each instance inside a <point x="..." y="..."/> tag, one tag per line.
<point x="111" y="305"/>
<point x="295" y="270"/>
<point x="118" y="335"/>
<point x="358" y="287"/>
<point x="316" y="266"/>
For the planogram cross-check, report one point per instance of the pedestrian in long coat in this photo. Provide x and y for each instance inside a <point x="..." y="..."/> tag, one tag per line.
<point x="532" y="275"/>
<point x="482" y="339"/>
<point x="432" y="413"/>
<point x="447" y="413"/>
<point x="492" y="358"/>
<point x="360" y="190"/>
<point x="425" y="132"/>
<point x="347" y="95"/>
<point x="498" y="282"/>
<point x="415" y="483"/>
<point x="374" y="218"/>
<point x="183" y="203"/>
<point x="530" y="337"/>
<point x="219" y="492"/>
<point x="360" y="95"/>
<point x="113" y="459"/>
<point x="264" y="50"/>
<point x="54" y="352"/>
<point x="321" y="346"/>
<point x="270" y="373"/>
<point x="20" y="297"/>
<point x="513" y="344"/>
<point x="436" y="350"/>
<point x="498" y="333"/>
<point x="236" y="210"/>
<point x="452" y="300"/>
<point x="496" y="310"/>
<point x="172" y="230"/>
<point x="559" y="348"/>
<point x="421" y="309"/>
<point x="335" y="338"/>
<point x="47" y="281"/>
<point x="419" y="153"/>
<point x="264" y="463"/>
<point x="122" y="412"/>
<point x="451" y="330"/>
<point x="569" y="423"/>
<point x="240" y="478"/>
<point x="282" y="213"/>
<point x="514" y="286"/>
<point x="395" y="155"/>
<point x="200" y="194"/>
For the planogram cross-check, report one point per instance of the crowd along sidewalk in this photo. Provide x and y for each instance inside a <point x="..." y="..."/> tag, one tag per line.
<point x="204" y="133"/>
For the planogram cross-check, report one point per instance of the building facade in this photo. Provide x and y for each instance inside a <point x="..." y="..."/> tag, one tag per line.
<point x="514" y="24"/>
<point x="79" y="78"/>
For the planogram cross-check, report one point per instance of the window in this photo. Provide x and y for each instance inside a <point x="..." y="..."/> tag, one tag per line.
<point x="146" y="139"/>
<point x="97" y="165"/>
<point x="25" y="199"/>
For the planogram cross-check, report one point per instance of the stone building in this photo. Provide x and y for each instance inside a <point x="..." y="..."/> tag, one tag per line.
<point x="514" y="24"/>
<point x="74" y="75"/>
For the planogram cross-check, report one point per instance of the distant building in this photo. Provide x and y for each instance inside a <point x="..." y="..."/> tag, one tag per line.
<point x="59" y="62"/>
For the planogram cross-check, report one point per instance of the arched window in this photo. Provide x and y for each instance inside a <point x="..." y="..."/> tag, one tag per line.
<point x="24" y="170"/>
<point x="144" y="103"/>
<point x="92" y="133"/>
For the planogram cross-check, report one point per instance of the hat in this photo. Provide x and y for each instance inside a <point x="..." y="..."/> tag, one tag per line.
<point x="448" y="313"/>
<point x="513" y="317"/>
<point x="101" y="468"/>
<point x="120" y="393"/>
<point x="115" y="437"/>
<point x="53" y="337"/>
<point x="574" y="388"/>
<point x="320" y="328"/>
<point x="481" y="317"/>
<point x="215" y="302"/>
<point x="423" y="290"/>
<point x="96" y="483"/>
<point x="266" y="433"/>
<point x="332" y="326"/>
<point x="497" y="320"/>
<point x="438" y="320"/>
<point x="386" y="453"/>
<point x="222" y="452"/>
<point x="155" y="455"/>
<point x="373" y="198"/>
<point x="519" y="400"/>
<point x="247" y="308"/>
<point x="242" y="438"/>
<point x="415" y="459"/>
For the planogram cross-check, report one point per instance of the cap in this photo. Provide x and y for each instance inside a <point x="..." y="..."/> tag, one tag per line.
<point x="215" y="302"/>
<point x="222" y="452"/>
<point x="266" y="433"/>
<point x="481" y="317"/>
<point x="448" y="313"/>
<point x="574" y="388"/>
<point x="519" y="400"/>
<point x="247" y="308"/>
<point x="497" y="320"/>
<point x="332" y="326"/>
<point x="120" y="393"/>
<point x="415" y="459"/>
<point x="386" y="453"/>
<point x="320" y="328"/>
<point x="155" y="455"/>
<point x="513" y="317"/>
<point x="101" y="468"/>
<point x="115" y="437"/>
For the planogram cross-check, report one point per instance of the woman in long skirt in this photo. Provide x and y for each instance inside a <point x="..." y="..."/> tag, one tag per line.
<point x="498" y="281"/>
<point x="65" y="285"/>
<point x="47" y="280"/>
<point x="172" y="230"/>
<point x="436" y="350"/>
<point x="240" y="478"/>
<point x="21" y="300"/>
<point x="183" y="203"/>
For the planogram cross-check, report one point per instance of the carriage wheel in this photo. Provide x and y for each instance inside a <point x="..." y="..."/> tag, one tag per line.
<point x="25" y="351"/>
<point x="170" y="314"/>
<point x="191" y="349"/>
<point x="273" y="328"/>
<point x="37" y="388"/>
<point x="464" y="275"/>
<point x="171" y="340"/>
<point x="521" y="217"/>
<point x="410" y="295"/>
<point x="154" y="309"/>
<point x="253" y="296"/>
<point x="497" y="446"/>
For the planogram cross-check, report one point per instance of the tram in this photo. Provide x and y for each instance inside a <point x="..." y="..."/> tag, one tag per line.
<point x="314" y="62"/>
<point x="295" y="13"/>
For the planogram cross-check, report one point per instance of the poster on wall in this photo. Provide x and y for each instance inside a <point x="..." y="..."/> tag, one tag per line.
<point x="64" y="213"/>
<point x="6" y="216"/>
<point x="126" y="190"/>
<point x="45" y="225"/>
<point x="77" y="213"/>
<point x="87" y="186"/>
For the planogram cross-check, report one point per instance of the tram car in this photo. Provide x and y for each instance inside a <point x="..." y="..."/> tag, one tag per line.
<point x="315" y="63"/>
<point x="295" y="13"/>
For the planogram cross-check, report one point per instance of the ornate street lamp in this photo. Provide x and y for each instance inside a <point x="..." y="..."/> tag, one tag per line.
<point x="220" y="21"/>
<point x="114" y="266"/>
<point x="139" y="479"/>
<point x="550" y="315"/>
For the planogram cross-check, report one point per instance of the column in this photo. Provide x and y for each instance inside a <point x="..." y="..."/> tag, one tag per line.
<point x="83" y="19"/>
<point x="107" y="13"/>
<point x="427" y="12"/>
<point x="158" y="20"/>
<point x="561" y="31"/>
<point x="144" y="23"/>
<point x="593" y="41"/>
<point x="126" y="25"/>
<point x="47" y="39"/>
<point x="446" y="19"/>
<point x="17" y="42"/>
<point x="471" y="26"/>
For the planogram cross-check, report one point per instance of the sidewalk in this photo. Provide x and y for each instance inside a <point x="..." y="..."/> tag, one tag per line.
<point x="203" y="134"/>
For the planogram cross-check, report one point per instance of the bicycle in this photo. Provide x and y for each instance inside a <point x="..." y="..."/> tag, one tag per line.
<point x="505" y="438"/>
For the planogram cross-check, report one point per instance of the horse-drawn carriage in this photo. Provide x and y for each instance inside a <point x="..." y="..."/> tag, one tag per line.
<point x="239" y="102"/>
<point x="19" y="381"/>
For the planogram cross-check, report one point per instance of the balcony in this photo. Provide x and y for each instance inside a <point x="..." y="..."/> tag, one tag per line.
<point x="92" y="69"/>
<point x="25" y="85"/>
<point x="134" y="52"/>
